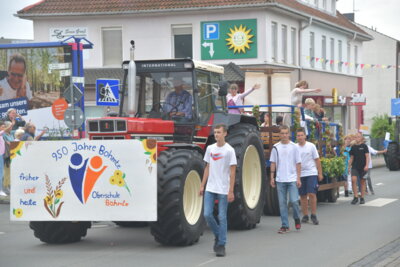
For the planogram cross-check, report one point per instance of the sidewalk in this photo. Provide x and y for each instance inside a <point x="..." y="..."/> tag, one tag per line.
<point x="378" y="161"/>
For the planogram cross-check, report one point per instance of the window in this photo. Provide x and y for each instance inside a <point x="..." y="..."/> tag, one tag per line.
<point x="348" y="58"/>
<point x="112" y="46"/>
<point x="182" y="41"/>
<point x="332" y="62"/>
<point x="323" y="54"/>
<point x="208" y="98"/>
<point x="294" y="44"/>
<point x="312" y="50"/>
<point x="340" y="56"/>
<point x="355" y="59"/>
<point x="274" y="40"/>
<point x="284" y="44"/>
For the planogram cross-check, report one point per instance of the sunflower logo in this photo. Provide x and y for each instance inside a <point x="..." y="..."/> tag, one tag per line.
<point x="239" y="39"/>
<point x="150" y="147"/>
<point x="18" y="213"/>
<point x="118" y="179"/>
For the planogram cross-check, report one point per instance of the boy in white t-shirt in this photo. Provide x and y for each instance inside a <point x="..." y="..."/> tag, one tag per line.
<point x="285" y="159"/>
<point x="311" y="173"/>
<point x="219" y="174"/>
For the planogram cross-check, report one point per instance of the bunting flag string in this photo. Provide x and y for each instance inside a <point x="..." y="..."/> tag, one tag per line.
<point x="350" y="64"/>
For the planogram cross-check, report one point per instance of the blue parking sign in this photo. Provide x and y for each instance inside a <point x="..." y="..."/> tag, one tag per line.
<point x="211" y="31"/>
<point x="395" y="106"/>
<point x="107" y="92"/>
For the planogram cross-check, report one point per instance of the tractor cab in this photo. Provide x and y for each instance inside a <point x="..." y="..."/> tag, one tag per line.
<point x="168" y="100"/>
<point x="180" y="90"/>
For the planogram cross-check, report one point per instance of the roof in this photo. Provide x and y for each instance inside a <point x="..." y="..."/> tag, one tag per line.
<point x="117" y="7"/>
<point x="233" y="73"/>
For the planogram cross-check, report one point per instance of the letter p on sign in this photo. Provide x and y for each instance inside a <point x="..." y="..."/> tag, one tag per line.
<point x="211" y="31"/>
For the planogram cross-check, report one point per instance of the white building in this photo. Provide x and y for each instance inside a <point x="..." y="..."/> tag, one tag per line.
<point x="309" y="36"/>
<point x="379" y="82"/>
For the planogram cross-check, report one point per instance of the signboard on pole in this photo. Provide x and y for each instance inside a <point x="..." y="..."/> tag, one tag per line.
<point x="229" y="39"/>
<point x="32" y="79"/>
<point x="84" y="180"/>
<point x="107" y="92"/>
<point x="395" y="106"/>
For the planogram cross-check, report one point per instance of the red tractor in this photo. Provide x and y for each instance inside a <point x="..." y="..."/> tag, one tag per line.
<point x="182" y="129"/>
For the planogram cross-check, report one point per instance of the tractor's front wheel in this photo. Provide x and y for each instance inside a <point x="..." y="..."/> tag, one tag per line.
<point x="180" y="207"/>
<point x="59" y="232"/>
<point x="392" y="156"/>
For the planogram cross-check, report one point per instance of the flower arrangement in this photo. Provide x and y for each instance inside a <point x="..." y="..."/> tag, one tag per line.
<point x="333" y="167"/>
<point x="256" y="114"/>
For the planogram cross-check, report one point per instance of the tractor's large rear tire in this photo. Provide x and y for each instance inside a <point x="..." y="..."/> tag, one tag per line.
<point x="271" y="206"/>
<point x="59" y="232"/>
<point x="180" y="207"/>
<point x="392" y="156"/>
<point x="246" y="210"/>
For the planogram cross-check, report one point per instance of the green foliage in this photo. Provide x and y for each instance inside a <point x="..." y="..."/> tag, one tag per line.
<point x="333" y="167"/>
<point x="296" y="120"/>
<point x="380" y="125"/>
<point x="256" y="114"/>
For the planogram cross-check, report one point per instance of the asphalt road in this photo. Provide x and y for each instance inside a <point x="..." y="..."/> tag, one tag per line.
<point x="347" y="235"/>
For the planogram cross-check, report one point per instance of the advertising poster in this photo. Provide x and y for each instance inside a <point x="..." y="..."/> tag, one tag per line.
<point x="31" y="81"/>
<point x="113" y="180"/>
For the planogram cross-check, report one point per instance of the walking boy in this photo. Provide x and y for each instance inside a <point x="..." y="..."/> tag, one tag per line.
<point x="311" y="173"/>
<point x="285" y="159"/>
<point x="219" y="175"/>
<point x="358" y="164"/>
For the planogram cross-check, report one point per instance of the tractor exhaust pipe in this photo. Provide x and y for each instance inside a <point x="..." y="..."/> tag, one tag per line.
<point x="132" y="102"/>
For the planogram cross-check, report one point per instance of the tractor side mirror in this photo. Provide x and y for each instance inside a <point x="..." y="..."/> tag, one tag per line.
<point x="223" y="88"/>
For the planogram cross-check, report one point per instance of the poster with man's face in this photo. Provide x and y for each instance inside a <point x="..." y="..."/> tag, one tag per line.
<point x="31" y="80"/>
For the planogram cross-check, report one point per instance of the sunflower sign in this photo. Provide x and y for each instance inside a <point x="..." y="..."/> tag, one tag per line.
<point x="113" y="180"/>
<point x="229" y="39"/>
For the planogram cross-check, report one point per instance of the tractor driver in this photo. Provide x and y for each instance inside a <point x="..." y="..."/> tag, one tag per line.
<point x="179" y="102"/>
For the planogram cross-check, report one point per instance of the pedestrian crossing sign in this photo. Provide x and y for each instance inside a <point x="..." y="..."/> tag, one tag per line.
<point x="107" y="92"/>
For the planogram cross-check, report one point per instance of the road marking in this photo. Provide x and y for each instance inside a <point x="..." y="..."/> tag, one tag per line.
<point x="2" y="233"/>
<point x="380" y="202"/>
<point x="379" y="184"/>
<point x="207" y="262"/>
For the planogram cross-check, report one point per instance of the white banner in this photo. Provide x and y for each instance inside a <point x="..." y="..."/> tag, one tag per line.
<point x="107" y="180"/>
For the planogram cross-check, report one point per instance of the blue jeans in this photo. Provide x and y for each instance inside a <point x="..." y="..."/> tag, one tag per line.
<point x="283" y="190"/>
<point x="220" y="229"/>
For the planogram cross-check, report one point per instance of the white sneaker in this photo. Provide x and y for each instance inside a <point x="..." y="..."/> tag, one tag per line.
<point x="2" y="194"/>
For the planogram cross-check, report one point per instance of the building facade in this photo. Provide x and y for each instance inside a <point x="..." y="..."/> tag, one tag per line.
<point x="380" y="83"/>
<point x="309" y="37"/>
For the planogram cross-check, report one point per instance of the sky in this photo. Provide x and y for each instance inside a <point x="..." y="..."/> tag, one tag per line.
<point x="380" y="14"/>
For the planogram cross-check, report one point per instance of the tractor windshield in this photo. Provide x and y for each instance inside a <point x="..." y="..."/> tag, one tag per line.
<point x="167" y="95"/>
